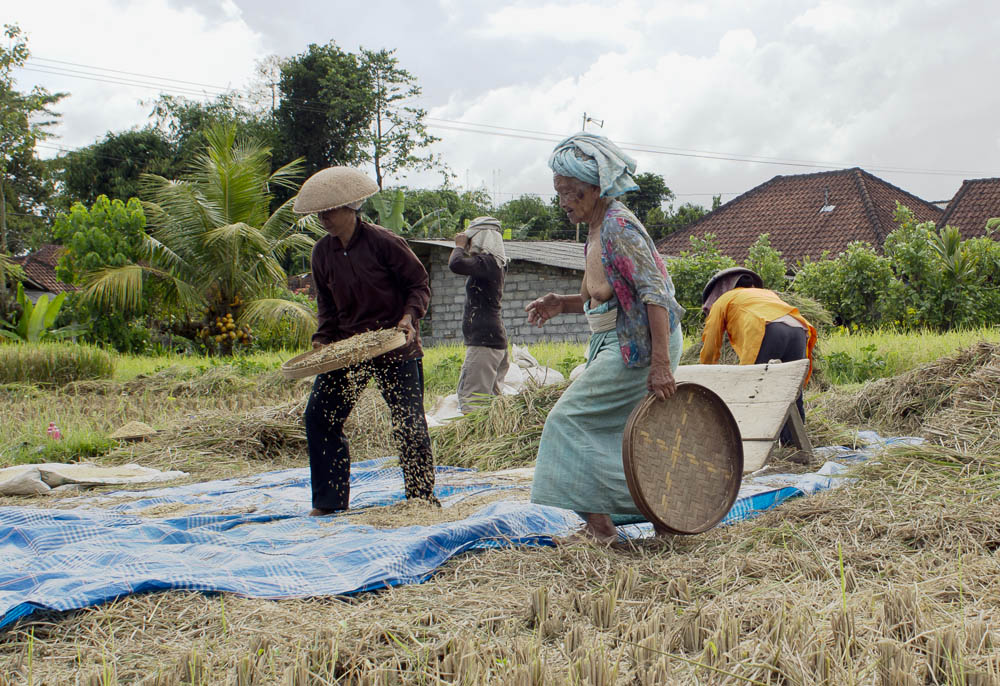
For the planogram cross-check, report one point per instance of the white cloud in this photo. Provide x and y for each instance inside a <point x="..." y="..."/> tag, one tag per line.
<point x="149" y="37"/>
<point x="849" y="85"/>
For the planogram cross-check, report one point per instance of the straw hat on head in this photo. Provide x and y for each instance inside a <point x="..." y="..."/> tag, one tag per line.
<point x="334" y="187"/>
<point x="731" y="272"/>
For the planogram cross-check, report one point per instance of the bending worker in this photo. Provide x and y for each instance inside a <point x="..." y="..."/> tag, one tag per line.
<point x="760" y="325"/>
<point x="479" y="255"/>
<point x="628" y="298"/>
<point x="366" y="278"/>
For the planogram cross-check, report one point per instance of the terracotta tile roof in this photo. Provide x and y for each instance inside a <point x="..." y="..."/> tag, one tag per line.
<point x="789" y="209"/>
<point x="40" y="269"/>
<point x="976" y="201"/>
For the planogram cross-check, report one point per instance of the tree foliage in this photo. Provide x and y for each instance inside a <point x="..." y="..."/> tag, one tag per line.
<point x="691" y="271"/>
<point x="215" y="247"/>
<point x="396" y="131"/>
<point x="767" y="262"/>
<point x="326" y="107"/>
<point x="24" y="120"/>
<point x="652" y="193"/>
<point x="113" y="166"/>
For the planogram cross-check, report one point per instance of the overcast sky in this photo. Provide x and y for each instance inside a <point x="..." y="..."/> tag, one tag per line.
<point x="906" y="89"/>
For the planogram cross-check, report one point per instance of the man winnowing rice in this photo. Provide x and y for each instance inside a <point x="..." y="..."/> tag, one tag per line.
<point x="635" y="344"/>
<point x="366" y="278"/>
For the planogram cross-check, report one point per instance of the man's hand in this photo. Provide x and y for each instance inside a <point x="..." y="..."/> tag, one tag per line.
<point x="543" y="309"/>
<point x="462" y="241"/>
<point x="406" y="326"/>
<point x="661" y="381"/>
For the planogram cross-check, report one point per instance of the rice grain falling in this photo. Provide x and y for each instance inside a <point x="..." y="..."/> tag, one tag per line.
<point x="345" y="353"/>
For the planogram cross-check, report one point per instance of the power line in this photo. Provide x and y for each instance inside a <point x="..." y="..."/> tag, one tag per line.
<point x="473" y="127"/>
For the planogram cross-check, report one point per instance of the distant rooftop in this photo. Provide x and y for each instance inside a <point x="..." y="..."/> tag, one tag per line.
<point x="564" y="254"/>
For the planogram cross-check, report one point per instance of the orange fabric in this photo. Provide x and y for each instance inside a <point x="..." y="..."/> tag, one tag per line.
<point x="743" y="313"/>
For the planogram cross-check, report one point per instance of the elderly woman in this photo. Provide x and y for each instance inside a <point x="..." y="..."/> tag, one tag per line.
<point x="479" y="255"/>
<point x="635" y="345"/>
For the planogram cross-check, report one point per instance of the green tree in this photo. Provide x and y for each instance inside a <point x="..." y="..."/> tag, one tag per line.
<point x="184" y="122"/>
<point x="215" y="247"/>
<point x="529" y="217"/>
<point x="109" y="234"/>
<point x="397" y="129"/>
<point x="661" y="224"/>
<point x="326" y="107"/>
<point x="652" y="193"/>
<point x="767" y="262"/>
<point x="24" y="119"/>
<point x="114" y="165"/>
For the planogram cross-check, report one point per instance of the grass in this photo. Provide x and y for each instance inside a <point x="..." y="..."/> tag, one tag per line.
<point x="52" y="363"/>
<point x="890" y="581"/>
<point x="903" y="351"/>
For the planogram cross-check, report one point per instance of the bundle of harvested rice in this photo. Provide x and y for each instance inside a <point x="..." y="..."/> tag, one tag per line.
<point x="500" y="435"/>
<point x="345" y="353"/>
<point x="903" y="403"/>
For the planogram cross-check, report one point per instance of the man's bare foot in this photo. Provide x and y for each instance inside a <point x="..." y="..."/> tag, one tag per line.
<point x="320" y="512"/>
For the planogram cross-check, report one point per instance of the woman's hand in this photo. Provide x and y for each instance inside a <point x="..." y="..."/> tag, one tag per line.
<point x="661" y="381"/>
<point x="543" y="309"/>
<point x="462" y="241"/>
<point x="406" y="326"/>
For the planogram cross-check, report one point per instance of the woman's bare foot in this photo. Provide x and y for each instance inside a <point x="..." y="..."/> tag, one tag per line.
<point x="597" y="530"/>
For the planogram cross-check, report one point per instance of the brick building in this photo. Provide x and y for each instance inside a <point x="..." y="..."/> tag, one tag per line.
<point x="534" y="269"/>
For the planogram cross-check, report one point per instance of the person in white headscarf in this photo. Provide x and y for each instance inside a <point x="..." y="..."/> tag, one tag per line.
<point x="479" y="255"/>
<point x="628" y="298"/>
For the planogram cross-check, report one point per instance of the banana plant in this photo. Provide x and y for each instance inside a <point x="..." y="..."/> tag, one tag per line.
<point x="389" y="208"/>
<point x="35" y="323"/>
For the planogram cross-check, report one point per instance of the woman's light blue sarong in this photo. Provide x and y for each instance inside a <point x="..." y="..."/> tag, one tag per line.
<point x="579" y="464"/>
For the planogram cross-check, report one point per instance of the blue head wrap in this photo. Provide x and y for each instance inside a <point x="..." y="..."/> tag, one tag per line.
<point x="595" y="160"/>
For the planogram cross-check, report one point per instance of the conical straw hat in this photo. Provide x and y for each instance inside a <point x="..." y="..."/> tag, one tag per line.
<point x="133" y="431"/>
<point x="333" y="187"/>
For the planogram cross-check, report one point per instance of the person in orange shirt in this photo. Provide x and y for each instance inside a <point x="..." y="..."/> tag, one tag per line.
<point x="760" y="325"/>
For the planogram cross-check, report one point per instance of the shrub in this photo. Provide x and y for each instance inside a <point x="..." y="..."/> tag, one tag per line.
<point x="857" y="287"/>
<point x="53" y="363"/>
<point x="841" y="367"/>
<point x="691" y="271"/>
<point x="767" y="262"/>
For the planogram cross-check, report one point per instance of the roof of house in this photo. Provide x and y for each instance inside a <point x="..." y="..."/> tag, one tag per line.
<point x="564" y="254"/>
<point x="975" y="202"/>
<point x="805" y="215"/>
<point x="40" y="269"/>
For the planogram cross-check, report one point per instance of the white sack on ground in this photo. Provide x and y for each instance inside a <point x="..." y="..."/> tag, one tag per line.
<point x="40" y="478"/>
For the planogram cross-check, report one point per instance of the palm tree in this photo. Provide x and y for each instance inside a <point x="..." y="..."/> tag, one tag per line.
<point x="214" y="251"/>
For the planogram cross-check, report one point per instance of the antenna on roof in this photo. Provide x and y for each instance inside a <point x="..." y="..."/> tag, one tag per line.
<point x="827" y="207"/>
<point x="599" y="122"/>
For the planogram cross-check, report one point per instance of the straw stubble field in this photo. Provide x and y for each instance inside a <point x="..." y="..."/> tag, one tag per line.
<point x="890" y="581"/>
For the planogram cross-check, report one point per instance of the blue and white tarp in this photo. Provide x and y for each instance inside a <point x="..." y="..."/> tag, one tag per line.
<point x="114" y="544"/>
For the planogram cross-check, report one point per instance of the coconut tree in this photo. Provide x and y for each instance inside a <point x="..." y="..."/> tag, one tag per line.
<point x="214" y="249"/>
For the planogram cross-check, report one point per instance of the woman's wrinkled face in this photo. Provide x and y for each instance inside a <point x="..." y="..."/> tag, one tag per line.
<point x="338" y="219"/>
<point x="576" y="198"/>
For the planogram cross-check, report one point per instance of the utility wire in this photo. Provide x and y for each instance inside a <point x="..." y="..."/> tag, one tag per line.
<point x="484" y="129"/>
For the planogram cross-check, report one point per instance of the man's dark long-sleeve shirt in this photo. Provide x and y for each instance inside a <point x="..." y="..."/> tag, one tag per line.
<point x="482" y="323"/>
<point x="368" y="285"/>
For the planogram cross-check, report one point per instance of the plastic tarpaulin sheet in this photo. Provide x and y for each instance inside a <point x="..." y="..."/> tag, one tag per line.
<point x="113" y="545"/>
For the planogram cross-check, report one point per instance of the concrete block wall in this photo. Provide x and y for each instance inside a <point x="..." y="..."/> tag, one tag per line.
<point x="525" y="282"/>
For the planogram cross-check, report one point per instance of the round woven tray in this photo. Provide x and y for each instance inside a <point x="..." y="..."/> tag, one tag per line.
<point x="340" y="354"/>
<point x="683" y="459"/>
